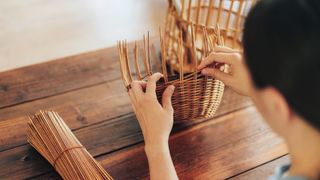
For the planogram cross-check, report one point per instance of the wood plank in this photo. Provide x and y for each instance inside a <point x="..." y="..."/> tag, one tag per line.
<point x="105" y="134"/>
<point x="58" y="76"/>
<point x="84" y="107"/>
<point x="79" y="108"/>
<point x="264" y="171"/>
<point x="215" y="149"/>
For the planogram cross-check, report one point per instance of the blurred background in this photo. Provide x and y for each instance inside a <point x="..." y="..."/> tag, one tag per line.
<point x="34" y="31"/>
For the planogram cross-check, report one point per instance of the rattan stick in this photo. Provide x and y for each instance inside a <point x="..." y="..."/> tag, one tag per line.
<point x="145" y="58"/>
<point x="194" y="51"/>
<point x="211" y="41"/>
<point x="198" y="12"/>
<point x="219" y="11"/>
<point x="219" y="37"/>
<point x="205" y="42"/>
<point x="182" y="9"/>
<point x="149" y="59"/>
<point x="127" y="62"/>
<point x="189" y="9"/>
<point x="237" y="23"/>
<point x="171" y="41"/>
<point x="198" y="15"/>
<point x="209" y="12"/>
<point x="122" y="66"/>
<point x="52" y="138"/>
<point x="245" y="9"/>
<point x="180" y="56"/>
<point x="163" y="57"/>
<point x="204" y="46"/>
<point x="136" y="60"/>
<point x="229" y="16"/>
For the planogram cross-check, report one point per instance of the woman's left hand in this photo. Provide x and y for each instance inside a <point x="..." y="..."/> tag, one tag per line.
<point x="156" y="121"/>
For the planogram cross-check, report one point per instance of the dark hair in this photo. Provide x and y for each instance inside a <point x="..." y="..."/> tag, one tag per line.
<point x="282" y="49"/>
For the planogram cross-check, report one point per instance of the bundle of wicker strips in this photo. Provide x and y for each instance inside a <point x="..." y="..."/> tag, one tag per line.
<point x="52" y="138"/>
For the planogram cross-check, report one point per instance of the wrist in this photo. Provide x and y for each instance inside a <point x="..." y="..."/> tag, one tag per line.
<point x="157" y="149"/>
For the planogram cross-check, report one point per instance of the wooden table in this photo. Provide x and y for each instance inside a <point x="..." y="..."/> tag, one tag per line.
<point x="88" y="93"/>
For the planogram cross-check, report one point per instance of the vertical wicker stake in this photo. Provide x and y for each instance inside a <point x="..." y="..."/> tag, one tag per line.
<point x="194" y="52"/>
<point x="149" y="59"/>
<point x="136" y="58"/>
<point x="209" y="12"/>
<point x="180" y="55"/>
<point x="189" y="10"/>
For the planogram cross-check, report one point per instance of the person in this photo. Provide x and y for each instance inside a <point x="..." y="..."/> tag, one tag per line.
<point x="279" y="69"/>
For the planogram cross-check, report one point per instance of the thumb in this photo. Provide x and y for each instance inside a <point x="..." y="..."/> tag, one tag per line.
<point x="166" y="98"/>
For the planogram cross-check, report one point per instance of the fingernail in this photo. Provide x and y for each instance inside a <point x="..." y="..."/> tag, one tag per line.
<point x="204" y="71"/>
<point x="172" y="87"/>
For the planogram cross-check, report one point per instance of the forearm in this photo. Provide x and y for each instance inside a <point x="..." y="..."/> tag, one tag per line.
<point x="160" y="162"/>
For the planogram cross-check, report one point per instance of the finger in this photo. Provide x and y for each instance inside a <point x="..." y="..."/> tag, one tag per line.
<point x="136" y="90"/>
<point x="217" y="74"/>
<point x="226" y="49"/>
<point x="223" y="49"/>
<point x="225" y="58"/>
<point x="206" y="62"/>
<point x="166" y="98"/>
<point x="151" y="84"/>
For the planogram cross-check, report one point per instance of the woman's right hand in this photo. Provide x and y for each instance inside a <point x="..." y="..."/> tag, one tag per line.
<point x="237" y="78"/>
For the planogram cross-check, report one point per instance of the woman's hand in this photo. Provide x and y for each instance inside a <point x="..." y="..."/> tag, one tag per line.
<point x="237" y="76"/>
<point x="156" y="121"/>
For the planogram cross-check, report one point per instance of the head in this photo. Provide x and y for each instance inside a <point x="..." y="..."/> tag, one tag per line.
<point x="282" y="50"/>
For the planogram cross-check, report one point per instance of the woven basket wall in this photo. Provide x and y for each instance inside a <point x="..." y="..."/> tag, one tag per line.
<point x="228" y="14"/>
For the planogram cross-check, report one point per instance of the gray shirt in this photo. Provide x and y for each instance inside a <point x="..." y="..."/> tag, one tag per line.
<point x="279" y="174"/>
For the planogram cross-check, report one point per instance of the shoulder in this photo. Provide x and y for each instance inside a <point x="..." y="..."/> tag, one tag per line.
<point x="280" y="171"/>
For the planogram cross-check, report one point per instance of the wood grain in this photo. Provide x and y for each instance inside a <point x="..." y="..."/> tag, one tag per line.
<point x="83" y="108"/>
<point x="215" y="149"/>
<point x="59" y="76"/>
<point x="79" y="108"/>
<point x="263" y="171"/>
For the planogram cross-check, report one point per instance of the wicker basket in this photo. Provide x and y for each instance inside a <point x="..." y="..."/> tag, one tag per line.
<point x="196" y="96"/>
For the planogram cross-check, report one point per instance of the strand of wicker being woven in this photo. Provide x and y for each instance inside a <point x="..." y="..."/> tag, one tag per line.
<point x="52" y="138"/>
